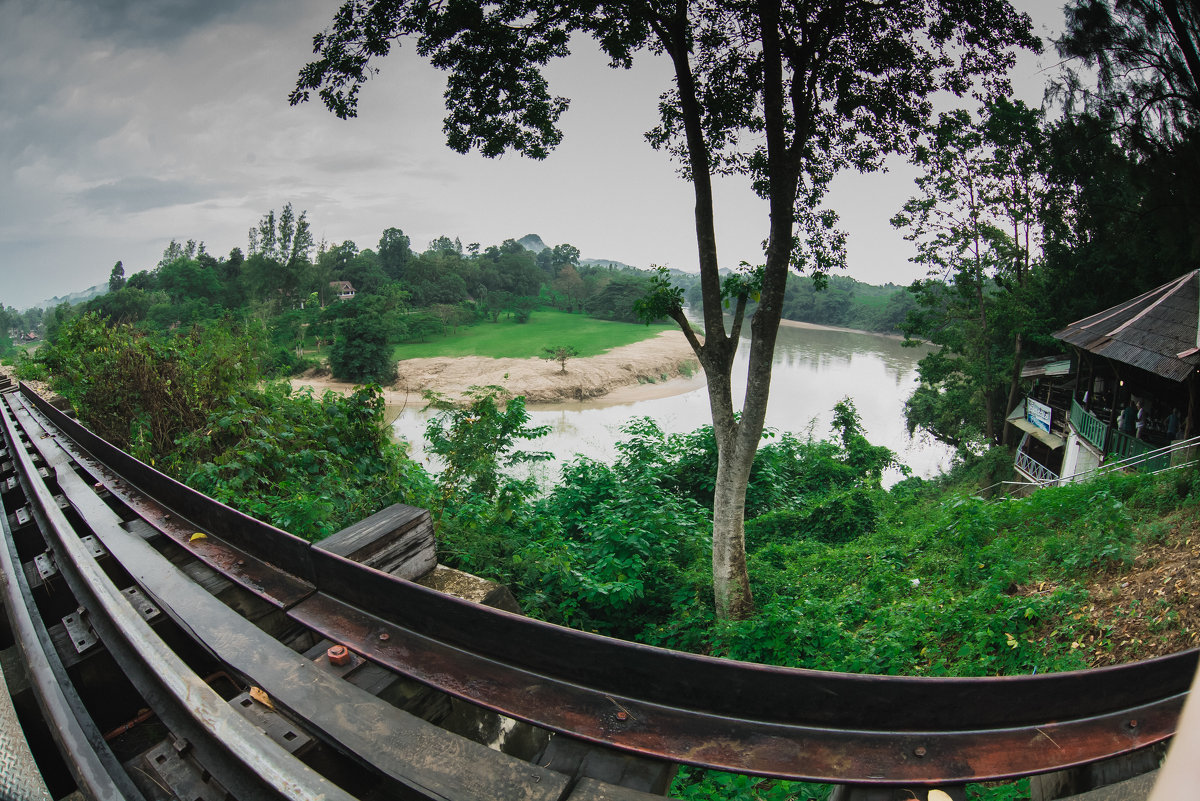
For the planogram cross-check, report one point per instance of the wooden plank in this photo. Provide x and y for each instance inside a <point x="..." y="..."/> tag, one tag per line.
<point x="427" y="761"/>
<point x="1135" y="789"/>
<point x="1097" y="775"/>
<point x="617" y="769"/>
<point x="396" y="540"/>
<point x="592" y="790"/>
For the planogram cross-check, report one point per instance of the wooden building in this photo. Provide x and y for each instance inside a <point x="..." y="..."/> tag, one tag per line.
<point x="1133" y="389"/>
<point x="344" y="290"/>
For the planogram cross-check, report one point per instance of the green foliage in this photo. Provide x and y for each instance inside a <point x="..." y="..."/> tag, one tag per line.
<point x="622" y="549"/>
<point x="619" y="300"/>
<point x="364" y="330"/>
<point x="142" y="391"/>
<point x="1148" y="73"/>
<point x="1008" y="791"/>
<point x="560" y="354"/>
<point x="504" y="338"/>
<point x="974" y="224"/>
<point x="848" y="576"/>
<point x="949" y="585"/>
<point x="478" y="440"/>
<point x="699" y="784"/>
<point x="309" y="466"/>
<point x="663" y="298"/>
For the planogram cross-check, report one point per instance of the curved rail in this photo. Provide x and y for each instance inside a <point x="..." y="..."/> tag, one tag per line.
<point x="748" y="718"/>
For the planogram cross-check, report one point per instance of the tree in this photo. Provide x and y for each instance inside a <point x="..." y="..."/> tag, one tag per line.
<point x="362" y="351"/>
<point x="553" y="260"/>
<point x="365" y="328"/>
<point x="394" y="253"/>
<point x="977" y="231"/>
<point x="187" y="279"/>
<point x="1126" y="155"/>
<point x="477" y="440"/>
<point x="287" y="240"/>
<point x="617" y="299"/>
<point x="1118" y="224"/>
<point x="560" y="354"/>
<point x="569" y="285"/>
<point x="116" y="279"/>
<point x="785" y="93"/>
<point x="1146" y="58"/>
<point x="127" y="305"/>
<point x="9" y="319"/>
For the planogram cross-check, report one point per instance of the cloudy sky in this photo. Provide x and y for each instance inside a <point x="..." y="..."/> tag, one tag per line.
<point x="125" y="124"/>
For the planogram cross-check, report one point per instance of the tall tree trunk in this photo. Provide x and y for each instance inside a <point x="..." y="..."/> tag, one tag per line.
<point x="732" y="597"/>
<point x="738" y="438"/>
<point x="731" y="581"/>
<point x="1014" y="386"/>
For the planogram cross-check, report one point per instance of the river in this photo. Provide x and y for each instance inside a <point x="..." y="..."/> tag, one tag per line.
<point x="814" y="368"/>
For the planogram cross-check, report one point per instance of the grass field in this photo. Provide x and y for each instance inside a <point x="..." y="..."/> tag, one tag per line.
<point x="546" y="328"/>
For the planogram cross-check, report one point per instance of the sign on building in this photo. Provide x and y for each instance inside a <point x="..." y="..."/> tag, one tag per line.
<point x="1038" y="414"/>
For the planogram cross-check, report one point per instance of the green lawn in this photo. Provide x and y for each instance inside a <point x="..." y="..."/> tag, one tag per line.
<point x="547" y="327"/>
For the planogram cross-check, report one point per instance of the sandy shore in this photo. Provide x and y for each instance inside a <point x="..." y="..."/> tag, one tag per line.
<point x="647" y="369"/>
<point x="819" y="327"/>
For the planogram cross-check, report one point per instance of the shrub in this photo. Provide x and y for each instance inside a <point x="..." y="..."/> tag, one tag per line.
<point x="142" y="391"/>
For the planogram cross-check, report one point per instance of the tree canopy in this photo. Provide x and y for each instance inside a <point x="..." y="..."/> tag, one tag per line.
<point x="1146" y="58"/>
<point x="784" y="93"/>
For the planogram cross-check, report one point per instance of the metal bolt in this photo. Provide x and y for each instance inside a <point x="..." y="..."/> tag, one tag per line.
<point x="920" y="750"/>
<point x="338" y="655"/>
<point x="241" y="563"/>
<point x="1133" y="724"/>
<point x="622" y="715"/>
<point x="383" y="636"/>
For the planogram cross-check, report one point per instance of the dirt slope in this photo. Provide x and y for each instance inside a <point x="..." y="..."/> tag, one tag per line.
<point x="541" y="381"/>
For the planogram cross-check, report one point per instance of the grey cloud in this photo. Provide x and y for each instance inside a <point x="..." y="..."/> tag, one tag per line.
<point x="141" y="193"/>
<point x="153" y="23"/>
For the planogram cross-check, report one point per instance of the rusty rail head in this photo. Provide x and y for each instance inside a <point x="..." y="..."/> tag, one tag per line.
<point x="784" y="722"/>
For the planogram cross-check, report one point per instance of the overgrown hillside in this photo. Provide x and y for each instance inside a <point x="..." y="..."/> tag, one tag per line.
<point x="927" y="578"/>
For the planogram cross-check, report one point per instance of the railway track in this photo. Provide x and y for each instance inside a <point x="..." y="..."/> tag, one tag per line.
<point x="176" y="648"/>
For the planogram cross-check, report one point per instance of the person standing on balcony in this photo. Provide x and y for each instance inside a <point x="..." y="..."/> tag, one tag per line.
<point x="1173" y="423"/>
<point x="1125" y="422"/>
<point x="1141" y="420"/>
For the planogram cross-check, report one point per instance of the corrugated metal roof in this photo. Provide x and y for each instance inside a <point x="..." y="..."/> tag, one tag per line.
<point x="1046" y="366"/>
<point x="1158" y="331"/>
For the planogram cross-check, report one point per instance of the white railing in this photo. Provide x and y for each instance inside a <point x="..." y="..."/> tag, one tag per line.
<point x="1034" y="469"/>
<point x="1142" y="460"/>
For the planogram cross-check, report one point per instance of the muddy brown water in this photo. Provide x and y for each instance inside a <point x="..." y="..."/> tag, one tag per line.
<point x="813" y="369"/>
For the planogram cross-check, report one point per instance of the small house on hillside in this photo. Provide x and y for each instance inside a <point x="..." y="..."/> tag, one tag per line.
<point x="1133" y="389"/>
<point x="343" y="289"/>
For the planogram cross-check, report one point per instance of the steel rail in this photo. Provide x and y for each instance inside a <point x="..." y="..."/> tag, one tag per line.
<point x="93" y="765"/>
<point x="382" y="738"/>
<point x="783" y="722"/>
<point x="250" y="764"/>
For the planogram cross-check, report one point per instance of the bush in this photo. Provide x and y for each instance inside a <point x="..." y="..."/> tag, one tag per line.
<point x="310" y="466"/>
<point x="362" y="352"/>
<point x="142" y="391"/>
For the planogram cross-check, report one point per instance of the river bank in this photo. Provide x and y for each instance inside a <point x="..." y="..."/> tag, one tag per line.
<point x="639" y="371"/>
<point x="820" y="327"/>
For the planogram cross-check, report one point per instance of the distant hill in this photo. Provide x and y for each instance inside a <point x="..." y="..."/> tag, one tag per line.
<point x="75" y="297"/>
<point x="535" y="243"/>
<point x="616" y="265"/>
<point x="532" y="242"/>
